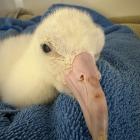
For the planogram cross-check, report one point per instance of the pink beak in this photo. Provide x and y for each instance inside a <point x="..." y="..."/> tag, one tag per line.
<point x="83" y="80"/>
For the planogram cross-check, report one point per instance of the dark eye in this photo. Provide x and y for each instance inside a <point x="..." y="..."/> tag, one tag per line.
<point x="45" y="48"/>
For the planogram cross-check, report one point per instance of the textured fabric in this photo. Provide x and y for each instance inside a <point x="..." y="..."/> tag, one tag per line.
<point x="119" y="65"/>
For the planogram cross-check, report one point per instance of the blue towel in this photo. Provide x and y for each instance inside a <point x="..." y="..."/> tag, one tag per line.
<point x="119" y="65"/>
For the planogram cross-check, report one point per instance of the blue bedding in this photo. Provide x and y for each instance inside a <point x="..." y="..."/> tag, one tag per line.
<point x="119" y="65"/>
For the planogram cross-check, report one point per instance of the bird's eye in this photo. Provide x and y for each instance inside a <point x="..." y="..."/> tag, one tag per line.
<point x="45" y="48"/>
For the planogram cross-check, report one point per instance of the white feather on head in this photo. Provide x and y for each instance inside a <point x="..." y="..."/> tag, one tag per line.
<point x="37" y="76"/>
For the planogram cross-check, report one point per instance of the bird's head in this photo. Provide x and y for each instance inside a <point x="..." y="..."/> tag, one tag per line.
<point x="62" y="36"/>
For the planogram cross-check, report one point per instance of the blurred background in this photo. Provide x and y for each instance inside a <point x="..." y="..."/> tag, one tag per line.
<point x="125" y="12"/>
<point x="109" y="8"/>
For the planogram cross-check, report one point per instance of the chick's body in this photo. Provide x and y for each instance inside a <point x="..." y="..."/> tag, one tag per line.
<point x="28" y="75"/>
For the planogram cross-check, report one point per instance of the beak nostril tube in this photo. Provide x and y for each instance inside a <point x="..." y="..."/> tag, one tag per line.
<point x="81" y="77"/>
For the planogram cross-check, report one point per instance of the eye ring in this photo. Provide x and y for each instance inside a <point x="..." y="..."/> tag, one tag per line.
<point x="45" y="47"/>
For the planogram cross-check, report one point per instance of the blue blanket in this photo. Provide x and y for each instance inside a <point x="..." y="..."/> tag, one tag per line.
<point x="119" y="65"/>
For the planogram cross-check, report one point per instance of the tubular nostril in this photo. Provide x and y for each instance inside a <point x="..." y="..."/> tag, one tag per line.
<point x="81" y="77"/>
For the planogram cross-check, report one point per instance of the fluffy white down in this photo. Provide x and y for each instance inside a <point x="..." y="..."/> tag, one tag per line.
<point x="30" y="76"/>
